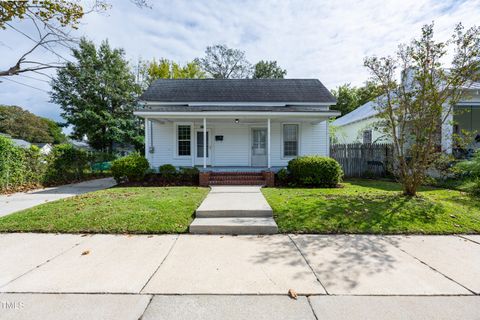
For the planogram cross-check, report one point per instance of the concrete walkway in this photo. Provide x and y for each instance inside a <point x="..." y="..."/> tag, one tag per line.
<point x="234" y="210"/>
<point x="48" y="276"/>
<point x="24" y="200"/>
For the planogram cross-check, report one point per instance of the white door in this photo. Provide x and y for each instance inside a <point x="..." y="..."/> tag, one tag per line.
<point x="199" y="147"/>
<point x="259" y="147"/>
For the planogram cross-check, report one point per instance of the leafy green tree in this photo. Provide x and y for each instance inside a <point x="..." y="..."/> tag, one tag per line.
<point x="22" y="124"/>
<point x="97" y="94"/>
<point x="350" y="98"/>
<point x="268" y="70"/>
<point x="413" y="110"/>
<point x="150" y="71"/>
<point x="221" y="62"/>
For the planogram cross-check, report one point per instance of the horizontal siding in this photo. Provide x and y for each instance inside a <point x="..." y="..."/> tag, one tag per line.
<point x="234" y="150"/>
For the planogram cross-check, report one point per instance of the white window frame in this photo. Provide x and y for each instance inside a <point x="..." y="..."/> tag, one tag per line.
<point x="283" y="156"/>
<point x="175" y="142"/>
<point x="371" y="136"/>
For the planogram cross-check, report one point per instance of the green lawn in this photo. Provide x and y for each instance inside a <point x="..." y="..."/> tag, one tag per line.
<point x="116" y="210"/>
<point x="372" y="206"/>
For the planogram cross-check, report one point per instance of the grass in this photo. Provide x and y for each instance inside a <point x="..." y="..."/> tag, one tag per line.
<point x="115" y="210"/>
<point x="372" y="206"/>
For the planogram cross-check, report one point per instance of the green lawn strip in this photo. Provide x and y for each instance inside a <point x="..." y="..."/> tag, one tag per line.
<point x="115" y="210"/>
<point x="372" y="206"/>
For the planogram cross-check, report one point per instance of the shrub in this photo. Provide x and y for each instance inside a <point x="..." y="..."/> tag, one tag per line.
<point x="469" y="168"/>
<point x="167" y="172"/>
<point x="315" y="171"/>
<point x="66" y="164"/>
<point x="12" y="168"/>
<point x="130" y="168"/>
<point x="282" y="177"/>
<point x="189" y="174"/>
<point x="19" y="167"/>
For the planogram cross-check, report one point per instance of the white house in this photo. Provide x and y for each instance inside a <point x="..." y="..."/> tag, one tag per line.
<point x="235" y="124"/>
<point x="358" y="126"/>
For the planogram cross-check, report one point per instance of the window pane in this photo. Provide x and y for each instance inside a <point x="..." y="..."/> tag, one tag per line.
<point x="183" y="137"/>
<point x="183" y="148"/>
<point x="290" y="148"/>
<point x="367" y="136"/>
<point x="290" y="140"/>
<point x="183" y="132"/>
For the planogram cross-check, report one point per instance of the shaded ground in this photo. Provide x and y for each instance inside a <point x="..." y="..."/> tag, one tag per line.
<point x="372" y="206"/>
<point x="116" y="210"/>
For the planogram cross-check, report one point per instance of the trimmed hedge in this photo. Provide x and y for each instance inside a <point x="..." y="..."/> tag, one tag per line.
<point x="19" y="168"/>
<point x="315" y="171"/>
<point x="130" y="168"/>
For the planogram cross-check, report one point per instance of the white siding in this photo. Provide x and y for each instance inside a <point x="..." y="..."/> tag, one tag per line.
<point x="234" y="150"/>
<point x="353" y="132"/>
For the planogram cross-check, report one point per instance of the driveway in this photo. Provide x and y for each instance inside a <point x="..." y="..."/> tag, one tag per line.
<point x="56" y="276"/>
<point x="24" y="200"/>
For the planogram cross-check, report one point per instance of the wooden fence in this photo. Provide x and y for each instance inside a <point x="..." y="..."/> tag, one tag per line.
<point x="363" y="160"/>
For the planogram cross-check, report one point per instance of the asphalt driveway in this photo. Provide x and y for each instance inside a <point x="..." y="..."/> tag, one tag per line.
<point x="23" y="200"/>
<point x="216" y="277"/>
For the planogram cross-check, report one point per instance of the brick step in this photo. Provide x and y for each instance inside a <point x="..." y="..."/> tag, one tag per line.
<point x="236" y="177"/>
<point x="235" y="173"/>
<point x="256" y="182"/>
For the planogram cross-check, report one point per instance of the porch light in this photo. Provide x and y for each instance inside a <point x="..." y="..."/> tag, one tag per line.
<point x="236" y="120"/>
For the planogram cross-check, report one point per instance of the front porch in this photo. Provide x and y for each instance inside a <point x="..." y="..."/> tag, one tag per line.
<point x="239" y="169"/>
<point x="234" y="142"/>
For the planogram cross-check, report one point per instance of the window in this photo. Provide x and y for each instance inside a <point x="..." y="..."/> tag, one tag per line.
<point x="290" y="140"/>
<point x="183" y="138"/>
<point x="367" y="136"/>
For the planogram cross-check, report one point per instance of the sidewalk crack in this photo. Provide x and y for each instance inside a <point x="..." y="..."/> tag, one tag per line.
<point x="45" y="262"/>
<point x="161" y="263"/>
<point x="308" y="263"/>
<point x="432" y="268"/>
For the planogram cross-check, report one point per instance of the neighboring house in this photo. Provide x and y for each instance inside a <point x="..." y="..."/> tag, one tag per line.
<point x="358" y="126"/>
<point x="45" y="148"/>
<point x="80" y="144"/>
<point x="260" y="123"/>
<point x="17" y="142"/>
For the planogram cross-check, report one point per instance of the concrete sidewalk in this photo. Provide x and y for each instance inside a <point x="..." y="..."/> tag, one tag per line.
<point x="237" y="277"/>
<point x="24" y="200"/>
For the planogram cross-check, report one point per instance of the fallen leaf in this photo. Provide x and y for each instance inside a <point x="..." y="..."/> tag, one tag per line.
<point x="84" y="253"/>
<point x="292" y="294"/>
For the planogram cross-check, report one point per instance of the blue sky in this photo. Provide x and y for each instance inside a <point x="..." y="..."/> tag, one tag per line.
<point x="325" y="39"/>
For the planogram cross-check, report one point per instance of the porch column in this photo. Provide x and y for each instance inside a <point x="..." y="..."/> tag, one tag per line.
<point x="268" y="143"/>
<point x="204" y="142"/>
<point x="147" y="142"/>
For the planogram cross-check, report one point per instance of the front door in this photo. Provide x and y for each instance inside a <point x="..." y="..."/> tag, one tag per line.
<point x="199" y="148"/>
<point x="259" y="147"/>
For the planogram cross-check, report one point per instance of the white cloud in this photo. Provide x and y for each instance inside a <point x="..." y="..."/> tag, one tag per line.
<point x="311" y="39"/>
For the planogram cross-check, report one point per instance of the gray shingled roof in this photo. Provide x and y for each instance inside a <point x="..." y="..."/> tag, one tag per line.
<point x="238" y="90"/>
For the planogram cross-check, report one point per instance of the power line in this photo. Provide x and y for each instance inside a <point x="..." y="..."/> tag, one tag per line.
<point x="22" y="75"/>
<point x="23" y="84"/>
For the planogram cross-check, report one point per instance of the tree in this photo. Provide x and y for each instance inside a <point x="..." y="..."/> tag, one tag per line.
<point x="22" y="124"/>
<point x="268" y="70"/>
<point x="150" y="71"/>
<point x="52" y="21"/>
<point x="221" y="62"/>
<point x="413" y="110"/>
<point x="350" y="98"/>
<point x="97" y="94"/>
